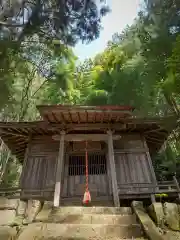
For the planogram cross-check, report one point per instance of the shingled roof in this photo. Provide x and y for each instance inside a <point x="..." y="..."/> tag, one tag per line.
<point x="82" y="118"/>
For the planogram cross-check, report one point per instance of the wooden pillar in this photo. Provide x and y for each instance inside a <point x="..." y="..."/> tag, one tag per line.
<point x="59" y="167"/>
<point x="150" y="162"/>
<point x="113" y="169"/>
<point x="177" y="186"/>
<point x="25" y="162"/>
<point x="153" y="197"/>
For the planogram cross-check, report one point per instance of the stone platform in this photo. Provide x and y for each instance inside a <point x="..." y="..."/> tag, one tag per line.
<point x="32" y="220"/>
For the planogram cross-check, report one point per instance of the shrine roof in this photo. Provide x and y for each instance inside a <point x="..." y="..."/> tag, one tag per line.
<point x="84" y="114"/>
<point x="76" y="119"/>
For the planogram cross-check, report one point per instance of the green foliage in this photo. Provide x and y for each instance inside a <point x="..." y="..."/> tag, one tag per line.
<point x="139" y="67"/>
<point x="165" y="163"/>
<point x="12" y="174"/>
<point x="98" y="97"/>
<point x="67" y="21"/>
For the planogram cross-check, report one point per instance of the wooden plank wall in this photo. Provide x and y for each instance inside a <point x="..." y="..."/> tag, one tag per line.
<point x="131" y="161"/>
<point x="74" y="186"/>
<point x="39" y="169"/>
<point x="132" y="165"/>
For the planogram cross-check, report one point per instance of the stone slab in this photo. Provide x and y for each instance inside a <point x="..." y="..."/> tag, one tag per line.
<point x="56" y="217"/>
<point x="7" y="217"/>
<point x="18" y="220"/>
<point x="43" y="215"/>
<point x="21" y="209"/>
<point x="7" y="233"/>
<point x="157" y="214"/>
<point x="10" y="204"/>
<point x="148" y="225"/>
<point x="95" y="210"/>
<point x="33" y="208"/>
<point x="30" y="232"/>
<point x="172" y="235"/>
<point x="172" y="217"/>
<point x="113" y="219"/>
<point x="77" y="231"/>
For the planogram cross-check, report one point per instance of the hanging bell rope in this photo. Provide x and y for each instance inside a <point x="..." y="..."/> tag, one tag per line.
<point x="87" y="196"/>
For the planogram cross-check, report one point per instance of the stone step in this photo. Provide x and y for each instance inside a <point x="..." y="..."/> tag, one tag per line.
<point x="95" y="210"/>
<point x="106" y="201"/>
<point x="80" y="231"/>
<point x="49" y="214"/>
<point x="57" y="217"/>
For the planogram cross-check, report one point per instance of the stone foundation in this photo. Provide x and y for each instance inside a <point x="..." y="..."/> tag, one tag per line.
<point x="14" y="214"/>
<point x="31" y="220"/>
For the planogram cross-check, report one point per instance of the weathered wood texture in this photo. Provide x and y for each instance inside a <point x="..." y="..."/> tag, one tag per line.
<point x="75" y="186"/>
<point x="86" y="137"/>
<point x="39" y="170"/>
<point x="74" y="178"/>
<point x="59" y="170"/>
<point x="113" y="169"/>
<point x="133" y="167"/>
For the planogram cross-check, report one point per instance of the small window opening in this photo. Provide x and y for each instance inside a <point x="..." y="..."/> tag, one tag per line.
<point x="96" y="165"/>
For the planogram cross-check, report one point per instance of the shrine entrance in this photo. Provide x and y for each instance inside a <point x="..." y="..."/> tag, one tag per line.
<point x="75" y="172"/>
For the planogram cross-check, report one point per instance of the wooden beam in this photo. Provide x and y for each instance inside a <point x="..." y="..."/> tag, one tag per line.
<point x="94" y="118"/>
<point x="26" y="158"/>
<point x="79" y="119"/>
<point x="23" y="124"/>
<point x="44" y="124"/>
<point x="155" y="140"/>
<point x="55" y="118"/>
<point x="19" y="151"/>
<point x="102" y="118"/>
<point x="177" y="186"/>
<point x="153" y="175"/>
<point x="59" y="166"/>
<point x="86" y="137"/>
<point x="131" y="150"/>
<point x="86" y="116"/>
<point x="150" y="162"/>
<point x="87" y="126"/>
<point x="12" y="133"/>
<point x="113" y="169"/>
<point x="109" y="175"/>
<point x="84" y="110"/>
<point x="46" y="118"/>
<point x="154" y="130"/>
<point x="62" y="117"/>
<point x="154" y="143"/>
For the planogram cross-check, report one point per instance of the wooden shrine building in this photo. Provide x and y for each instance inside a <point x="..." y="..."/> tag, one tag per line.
<point x="52" y="152"/>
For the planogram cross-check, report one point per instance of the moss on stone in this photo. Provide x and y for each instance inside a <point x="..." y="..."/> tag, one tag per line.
<point x="156" y="212"/>
<point x="172" y="218"/>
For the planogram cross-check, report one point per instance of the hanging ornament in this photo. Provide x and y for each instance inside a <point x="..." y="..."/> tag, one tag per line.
<point x="87" y="196"/>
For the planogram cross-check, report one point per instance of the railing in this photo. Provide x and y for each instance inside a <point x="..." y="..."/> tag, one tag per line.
<point x="151" y="190"/>
<point x="140" y="189"/>
<point x="15" y="192"/>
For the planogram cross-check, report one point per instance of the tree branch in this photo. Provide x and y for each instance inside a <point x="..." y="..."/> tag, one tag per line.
<point x="24" y="109"/>
<point x="45" y="81"/>
<point x="27" y="105"/>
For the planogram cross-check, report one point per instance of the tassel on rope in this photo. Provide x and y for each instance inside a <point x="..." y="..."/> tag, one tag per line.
<point x="87" y="196"/>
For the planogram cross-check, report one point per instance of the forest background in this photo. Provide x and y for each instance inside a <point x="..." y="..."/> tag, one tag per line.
<point x="139" y="67"/>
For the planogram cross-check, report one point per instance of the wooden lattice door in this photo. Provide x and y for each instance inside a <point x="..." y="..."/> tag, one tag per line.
<point x="74" y="175"/>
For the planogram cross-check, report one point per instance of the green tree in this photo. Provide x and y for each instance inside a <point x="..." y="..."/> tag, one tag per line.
<point x="67" y="21"/>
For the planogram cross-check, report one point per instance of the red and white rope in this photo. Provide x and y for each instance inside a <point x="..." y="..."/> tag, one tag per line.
<point x="87" y="186"/>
